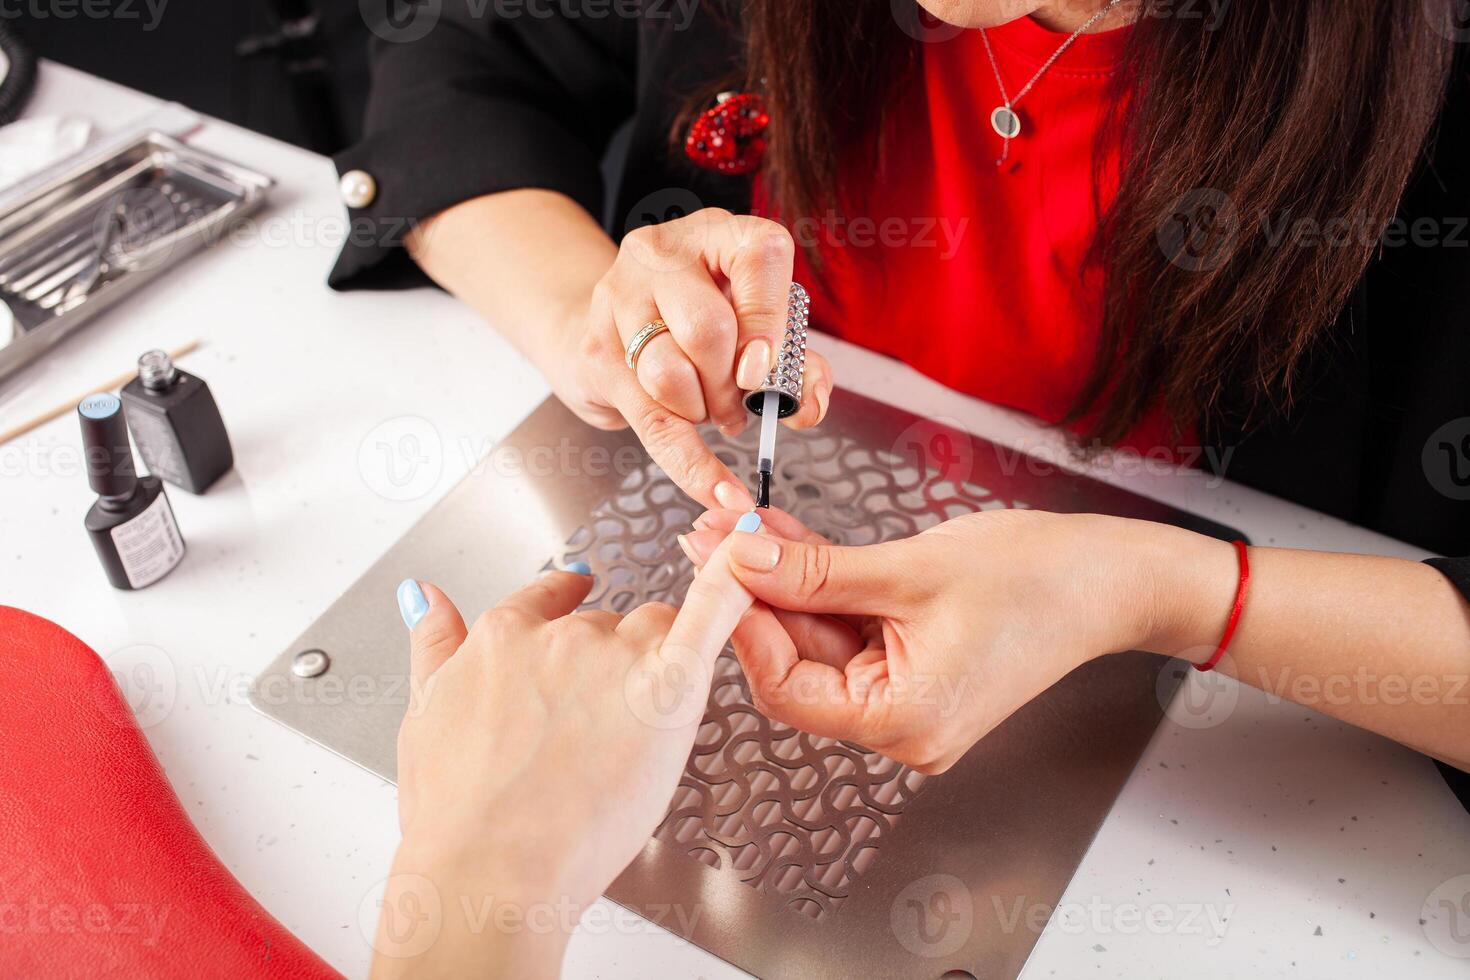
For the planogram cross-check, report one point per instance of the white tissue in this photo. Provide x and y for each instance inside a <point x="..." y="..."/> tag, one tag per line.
<point x="31" y="145"/>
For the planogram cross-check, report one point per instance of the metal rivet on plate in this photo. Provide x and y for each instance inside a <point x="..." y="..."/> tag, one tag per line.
<point x="310" y="663"/>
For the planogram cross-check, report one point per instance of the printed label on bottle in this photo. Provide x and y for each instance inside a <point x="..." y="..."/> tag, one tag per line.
<point x="149" y="545"/>
<point x="159" y="446"/>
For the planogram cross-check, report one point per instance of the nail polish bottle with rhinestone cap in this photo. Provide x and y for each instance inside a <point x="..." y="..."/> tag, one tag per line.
<point x="779" y="396"/>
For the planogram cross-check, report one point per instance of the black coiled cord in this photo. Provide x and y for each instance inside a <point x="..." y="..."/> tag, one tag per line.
<point x="20" y="79"/>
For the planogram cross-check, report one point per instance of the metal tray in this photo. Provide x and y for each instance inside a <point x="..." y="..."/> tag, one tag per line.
<point x="787" y="855"/>
<point x="80" y="241"/>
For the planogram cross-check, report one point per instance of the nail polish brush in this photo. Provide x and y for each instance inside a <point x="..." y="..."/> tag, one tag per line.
<point x="779" y="396"/>
<point x="766" y="461"/>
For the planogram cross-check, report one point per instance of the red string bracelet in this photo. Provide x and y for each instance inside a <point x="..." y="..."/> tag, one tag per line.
<point x="1235" y="611"/>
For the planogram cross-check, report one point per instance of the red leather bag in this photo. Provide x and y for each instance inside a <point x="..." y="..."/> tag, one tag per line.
<point x="102" y="874"/>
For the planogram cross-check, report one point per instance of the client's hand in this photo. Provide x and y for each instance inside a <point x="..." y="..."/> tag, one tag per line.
<point x="918" y="648"/>
<point x="539" y="753"/>
<point x="720" y="282"/>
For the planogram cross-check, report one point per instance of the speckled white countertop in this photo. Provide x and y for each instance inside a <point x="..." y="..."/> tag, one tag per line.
<point x="1256" y="838"/>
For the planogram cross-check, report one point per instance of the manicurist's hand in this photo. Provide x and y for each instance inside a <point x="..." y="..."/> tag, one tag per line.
<point x="538" y="755"/>
<point x="721" y="283"/>
<point x="572" y="301"/>
<point x="918" y="648"/>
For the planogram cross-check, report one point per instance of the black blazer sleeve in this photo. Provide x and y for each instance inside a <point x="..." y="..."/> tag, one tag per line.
<point x="1457" y="570"/>
<point x="470" y="97"/>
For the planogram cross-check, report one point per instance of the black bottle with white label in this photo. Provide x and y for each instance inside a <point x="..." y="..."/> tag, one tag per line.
<point x="131" y="524"/>
<point x="176" y="424"/>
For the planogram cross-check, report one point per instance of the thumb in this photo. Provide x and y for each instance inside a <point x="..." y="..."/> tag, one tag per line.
<point x="804" y="576"/>
<point x="437" y="628"/>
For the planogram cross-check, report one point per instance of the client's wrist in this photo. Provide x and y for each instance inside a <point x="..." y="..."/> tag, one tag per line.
<point x="451" y="914"/>
<point x="1185" y="582"/>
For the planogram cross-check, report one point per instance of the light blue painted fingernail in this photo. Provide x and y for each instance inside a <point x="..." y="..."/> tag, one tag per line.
<point x="749" y="523"/>
<point x="580" y="568"/>
<point x="412" y="605"/>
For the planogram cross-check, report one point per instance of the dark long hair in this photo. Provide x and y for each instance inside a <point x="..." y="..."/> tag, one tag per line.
<point x="1276" y="114"/>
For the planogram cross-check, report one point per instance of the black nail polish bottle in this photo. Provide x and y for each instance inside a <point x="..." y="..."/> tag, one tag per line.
<point x="177" y="424"/>
<point x="131" y="524"/>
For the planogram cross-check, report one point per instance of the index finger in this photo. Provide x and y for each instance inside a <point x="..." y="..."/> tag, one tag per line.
<point x="675" y="445"/>
<point x="757" y="257"/>
<point x="551" y="596"/>
<point x="712" y="608"/>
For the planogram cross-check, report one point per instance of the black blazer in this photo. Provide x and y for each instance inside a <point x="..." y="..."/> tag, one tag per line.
<point x="531" y="95"/>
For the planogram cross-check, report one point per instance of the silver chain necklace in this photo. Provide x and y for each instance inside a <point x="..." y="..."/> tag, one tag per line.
<point x="1004" y="120"/>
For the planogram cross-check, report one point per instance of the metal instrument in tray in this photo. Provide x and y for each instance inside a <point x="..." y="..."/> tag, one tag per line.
<point x="101" y="227"/>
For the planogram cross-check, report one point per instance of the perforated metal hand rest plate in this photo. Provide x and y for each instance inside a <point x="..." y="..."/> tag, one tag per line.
<point x="787" y="855"/>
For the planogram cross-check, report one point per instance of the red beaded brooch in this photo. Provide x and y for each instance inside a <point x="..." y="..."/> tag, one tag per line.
<point x="731" y="137"/>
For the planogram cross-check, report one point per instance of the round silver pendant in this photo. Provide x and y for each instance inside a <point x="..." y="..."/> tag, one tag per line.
<point x="1005" y="122"/>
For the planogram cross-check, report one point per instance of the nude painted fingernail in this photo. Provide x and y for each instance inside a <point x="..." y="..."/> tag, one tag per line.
<point x="733" y="430"/>
<point x="822" y="396"/>
<point x="754" y="552"/>
<point x="733" y="497"/>
<point x="688" y="549"/>
<point x="754" y="365"/>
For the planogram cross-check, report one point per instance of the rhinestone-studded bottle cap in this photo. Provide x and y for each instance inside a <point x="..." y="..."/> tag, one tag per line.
<point x="786" y="376"/>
